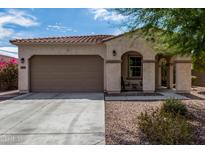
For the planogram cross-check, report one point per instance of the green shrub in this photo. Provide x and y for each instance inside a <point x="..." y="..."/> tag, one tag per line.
<point x="175" y="107"/>
<point x="161" y="127"/>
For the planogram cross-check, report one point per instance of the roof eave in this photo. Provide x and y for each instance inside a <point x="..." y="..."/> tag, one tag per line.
<point x="50" y="43"/>
<point x="114" y="37"/>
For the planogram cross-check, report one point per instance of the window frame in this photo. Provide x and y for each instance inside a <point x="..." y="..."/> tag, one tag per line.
<point x="134" y="77"/>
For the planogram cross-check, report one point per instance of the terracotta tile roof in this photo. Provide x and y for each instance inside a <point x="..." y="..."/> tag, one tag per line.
<point x="87" y="39"/>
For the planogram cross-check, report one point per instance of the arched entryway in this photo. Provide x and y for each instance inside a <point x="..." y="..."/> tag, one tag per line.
<point x="164" y="72"/>
<point x="131" y="71"/>
<point x="163" y="75"/>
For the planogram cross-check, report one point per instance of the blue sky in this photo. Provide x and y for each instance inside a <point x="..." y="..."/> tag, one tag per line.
<point x="29" y="23"/>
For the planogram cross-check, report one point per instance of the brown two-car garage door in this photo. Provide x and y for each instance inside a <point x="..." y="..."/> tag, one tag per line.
<point x="66" y="74"/>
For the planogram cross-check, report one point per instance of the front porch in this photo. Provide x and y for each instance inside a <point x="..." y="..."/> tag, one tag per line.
<point x="132" y="65"/>
<point x="132" y="70"/>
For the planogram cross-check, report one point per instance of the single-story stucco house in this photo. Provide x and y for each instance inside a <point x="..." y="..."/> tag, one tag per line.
<point x="97" y="63"/>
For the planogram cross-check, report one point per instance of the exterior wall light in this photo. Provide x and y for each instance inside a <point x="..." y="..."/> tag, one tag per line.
<point x="114" y="53"/>
<point x="22" y="60"/>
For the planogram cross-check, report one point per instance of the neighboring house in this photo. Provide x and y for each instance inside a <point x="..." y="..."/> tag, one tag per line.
<point x="97" y="63"/>
<point x="7" y="53"/>
<point x="5" y="58"/>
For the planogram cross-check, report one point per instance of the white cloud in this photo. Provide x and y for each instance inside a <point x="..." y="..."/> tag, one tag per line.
<point x="60" y="28"/>
<point x="118" y="32"/>
<point x="22" y="35"/>
<point x="104" y="14"/>
<point x="4" y="32"/>
<point x="15" y="17"/>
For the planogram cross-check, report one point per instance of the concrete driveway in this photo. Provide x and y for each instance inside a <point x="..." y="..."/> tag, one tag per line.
<point x="53" y="118"/>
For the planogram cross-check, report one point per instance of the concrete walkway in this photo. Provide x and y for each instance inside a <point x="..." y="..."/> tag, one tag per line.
<point x="164" y="96"/>
<point x="53" y="118"/>
<point x="8" y="92"/>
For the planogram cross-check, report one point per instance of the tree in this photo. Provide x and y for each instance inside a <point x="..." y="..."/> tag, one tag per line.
<point x="179" y="31"/>
<point x="199" y="62"/>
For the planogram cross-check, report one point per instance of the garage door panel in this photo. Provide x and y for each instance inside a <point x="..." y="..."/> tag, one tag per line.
<point x="66" y="73"/>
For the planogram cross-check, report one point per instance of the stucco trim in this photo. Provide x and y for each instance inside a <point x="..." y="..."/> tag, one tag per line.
<point x="113" y="92"/>
<point x="24" y="91"/>
<point x="182" y="61"/>
<point x="183" y="91"/>
<point x="113" y="61"/>
<point x="171" y="64"/>
<point x="148" y="61"/>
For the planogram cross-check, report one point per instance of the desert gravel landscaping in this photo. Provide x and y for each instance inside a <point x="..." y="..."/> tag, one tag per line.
<point x="121" y="118"/>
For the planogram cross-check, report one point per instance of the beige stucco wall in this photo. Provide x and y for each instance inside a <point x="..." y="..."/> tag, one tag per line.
<point x="124" y="67"/>
<point x="113" y="80"/>
<point x="27" y="51"/>
<point x="183" y="77"/>
<point x="112" y="64"/>
<point x="125" y="44"/>
<point x="148" y="81"/>
<point x="61" y="49"/>
<point x="183" y="74"/>
<point x="23" y="76"/>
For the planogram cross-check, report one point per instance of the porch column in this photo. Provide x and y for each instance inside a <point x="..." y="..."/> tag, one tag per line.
<point x="183" y="75"/>
<point x="148" y="75"/>
<point x="113" y="74"/>
<point x="171" y="75"/>
<point x="159" y="76"/>
<point x="23" y="75"/>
